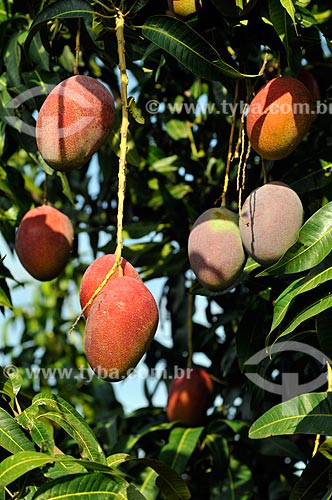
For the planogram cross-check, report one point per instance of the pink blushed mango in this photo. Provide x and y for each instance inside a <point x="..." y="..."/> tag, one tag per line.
<point x="96" y="273"/>
<point x="44" y="242"/>
<point x="215" y="249"/>
<point x="270" y="222"/>
<point x="73" y="122"/>
<point x="120" y="327"/>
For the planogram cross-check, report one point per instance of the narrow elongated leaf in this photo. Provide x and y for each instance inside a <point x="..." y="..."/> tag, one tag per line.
<point x="323" y="328"/>
<point x="181" y="445"/>
<point x="305" y="414"/>
<point x="281" y="446"/>
<point x="238" y="482"/>
<point x="130" y="492"/>
<point x="96" y="486"/>
<point x="13" y="467"/>
<point x="12" y="437"/>
<point x="61" y="9"/>
<point x="326" y="449"/>
<point x="288" y="5"/>
<point x="317" y="307"/>
<point x="283" y="25"/>
<point x="298" y="286"/>
<point x="4" y="299"/>
<point x="41" y="435"/>
<point x="59" y="411"/>
<point x="168" y="481"/>
<point x="188" y="47"/>
<point x="314" y="480"/>
<point x="313" y="245"/>
<point x="117" y="459"/>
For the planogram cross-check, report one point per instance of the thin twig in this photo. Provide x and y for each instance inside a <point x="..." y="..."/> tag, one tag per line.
<point x="230" y="146"/>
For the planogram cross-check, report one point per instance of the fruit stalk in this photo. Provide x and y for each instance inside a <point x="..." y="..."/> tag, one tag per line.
<point x="230" y="147"/>
<point x="119" y="26"/>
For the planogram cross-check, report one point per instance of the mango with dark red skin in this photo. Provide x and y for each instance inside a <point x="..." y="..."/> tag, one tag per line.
<point x="44" y="242"/>
<point x="189" y="396"/>
<point x="73" y="122"/>
<point x="120" y="326"/>
<point x="96" y="273"/>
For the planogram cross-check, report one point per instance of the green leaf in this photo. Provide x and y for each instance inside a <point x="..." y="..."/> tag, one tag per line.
<point x="171" y="485"/>
<point x="4" y="299"/>
<point x="298" y="286"/>
<point x="326" y="449"/>
<point x="181" y="445"/>
<point x="304" y="414"/>
<point x="66" y="187"/>
<point x="133" y="493"/>
<point x="39" y="429"/>
<point x="117" y="458"/>
<point x="89" y="486"/>
<point x="165" y="165"/>
<point x="313" y="245"/>
<point x="177" y="129"/>
<point x="219" y="450"/>
<point x="61" y="9"/>
<point x="314" y="480"/>
<point x="13" y="467"/>
<point x="11" y="436"/>
<point x="288" y="5"/>
<point x="188" y="47"/>
<point x="12" y="59"/>
<point x="281" y="446"/>
<point x="323" y="328"/>
<point x="59" y="411"/>
<point x="319" y="305"/>
<point x="238" y="483"/>
<point x="283" y="25"/>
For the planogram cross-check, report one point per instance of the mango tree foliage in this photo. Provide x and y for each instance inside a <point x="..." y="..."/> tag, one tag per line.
<point x="189" y="81"/>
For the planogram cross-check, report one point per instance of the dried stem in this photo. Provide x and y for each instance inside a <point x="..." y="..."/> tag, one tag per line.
<point x="230" y="146"/>
<point x="190" y="326"/>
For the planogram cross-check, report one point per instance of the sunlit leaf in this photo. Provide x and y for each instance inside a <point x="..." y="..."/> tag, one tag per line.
<point x="305" y="414"/>
<point x="62" y="413"/>
<point x="86" y="486"/>
<point x="12" y="438"/>
<point x="297" y="287"/>
<point x="13" y="467"/>
<point x="180" y="446"/>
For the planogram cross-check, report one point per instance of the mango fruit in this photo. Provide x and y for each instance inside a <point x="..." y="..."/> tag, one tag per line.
<point x="120" y="326"/>
<point x="44" y="242"/>
<point x="189" y="396"/>
<point x="215" y="249"/>
<point x="271" y="218"/>
<point x="96" y="273"/>
<point x="279" y="117"/>
<point x="184" y="8"/>
<point x="74" y="120"/>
